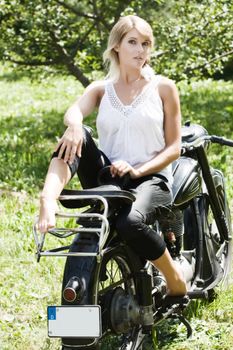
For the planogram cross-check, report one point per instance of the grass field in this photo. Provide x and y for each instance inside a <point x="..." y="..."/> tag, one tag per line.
<point x="31" y="115"/>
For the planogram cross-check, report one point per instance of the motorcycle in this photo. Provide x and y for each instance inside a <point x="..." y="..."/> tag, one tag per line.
<point x="112" y="296"/>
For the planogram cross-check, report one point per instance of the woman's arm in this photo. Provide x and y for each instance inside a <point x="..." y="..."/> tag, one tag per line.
<point x="85" y="104"/>
<point x="71" y="141"/>
<point x="58" y="173"/>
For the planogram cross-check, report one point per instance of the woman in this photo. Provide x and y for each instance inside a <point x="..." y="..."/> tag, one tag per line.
<point x="138" y="125"/>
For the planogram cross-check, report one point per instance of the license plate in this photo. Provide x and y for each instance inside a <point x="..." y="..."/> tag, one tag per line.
<point x="74" y="321"/>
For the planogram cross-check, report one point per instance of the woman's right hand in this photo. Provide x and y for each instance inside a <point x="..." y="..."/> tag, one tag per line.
<point x="71" y="143"/>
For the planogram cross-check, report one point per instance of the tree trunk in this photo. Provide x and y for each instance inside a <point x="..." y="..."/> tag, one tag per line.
<point x="74" y="70"/>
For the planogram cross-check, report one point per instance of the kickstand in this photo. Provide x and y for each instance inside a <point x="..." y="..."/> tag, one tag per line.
<point x="185" y="322"/>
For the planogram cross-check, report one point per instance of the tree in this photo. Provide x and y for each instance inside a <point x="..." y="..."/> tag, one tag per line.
<point x="192" y="37"/>
<point x="195" y="39"/>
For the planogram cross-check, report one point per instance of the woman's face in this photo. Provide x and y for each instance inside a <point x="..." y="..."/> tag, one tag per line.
<point x="134" y="49"/>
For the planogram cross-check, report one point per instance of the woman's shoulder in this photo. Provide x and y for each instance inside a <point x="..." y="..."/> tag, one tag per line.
<point x="164" y="81"/>
<point x="96" y="88"/>
<point x="166" y="86"/>
<point x="97" y="85"/>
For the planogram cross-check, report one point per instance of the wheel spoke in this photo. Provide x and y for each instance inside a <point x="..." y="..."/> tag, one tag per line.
<point x="118" y="275"/>
<point x="111" y="286"/>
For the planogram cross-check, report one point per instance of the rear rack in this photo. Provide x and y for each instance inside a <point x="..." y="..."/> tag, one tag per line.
<point x="102" y="231"/>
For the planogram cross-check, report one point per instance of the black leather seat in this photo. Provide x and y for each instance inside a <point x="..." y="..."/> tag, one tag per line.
<point x="112" y="193"/>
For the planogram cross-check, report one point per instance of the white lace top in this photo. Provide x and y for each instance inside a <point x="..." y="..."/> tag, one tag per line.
<point x="134" y="132"/>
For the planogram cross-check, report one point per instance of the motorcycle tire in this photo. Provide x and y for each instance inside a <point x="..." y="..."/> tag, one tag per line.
<point x="222" y="248"/>
<point x="115" y="270"/>
<point x="214" y="254"/>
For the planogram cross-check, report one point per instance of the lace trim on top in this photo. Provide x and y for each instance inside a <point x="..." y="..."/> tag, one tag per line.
<point x="116" y="103"/>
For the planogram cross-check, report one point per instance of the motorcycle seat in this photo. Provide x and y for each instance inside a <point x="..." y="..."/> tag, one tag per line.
<point x="112" y="193"/>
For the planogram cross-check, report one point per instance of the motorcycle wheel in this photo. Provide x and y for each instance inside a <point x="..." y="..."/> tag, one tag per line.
<point x="219" y="251"/>
<point x="222" y="248"/>
<point x="115" y="271"/>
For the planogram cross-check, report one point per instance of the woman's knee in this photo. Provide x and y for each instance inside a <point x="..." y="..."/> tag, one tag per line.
<point x="139" y="236"/>
<point x="128" y="224"/>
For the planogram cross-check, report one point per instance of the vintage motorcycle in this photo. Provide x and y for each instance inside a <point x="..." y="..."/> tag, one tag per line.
<point x="111" y="298"/>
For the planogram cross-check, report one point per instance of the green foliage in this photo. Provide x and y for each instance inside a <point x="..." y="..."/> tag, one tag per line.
<point x="210" y="104"/>
<point x="193" y="38"/>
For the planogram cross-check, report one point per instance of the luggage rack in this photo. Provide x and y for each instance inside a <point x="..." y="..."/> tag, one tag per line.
<point x="102" y="231"/>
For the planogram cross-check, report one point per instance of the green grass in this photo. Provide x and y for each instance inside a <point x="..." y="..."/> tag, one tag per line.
<point x="31" y="121"/>
<point x="31" y="115"/>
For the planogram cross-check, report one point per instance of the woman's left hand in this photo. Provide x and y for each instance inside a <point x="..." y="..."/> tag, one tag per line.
<point x="121" y="168"/>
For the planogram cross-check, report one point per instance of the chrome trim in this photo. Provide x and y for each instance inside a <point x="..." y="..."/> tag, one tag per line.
<point x="103" y="231"/>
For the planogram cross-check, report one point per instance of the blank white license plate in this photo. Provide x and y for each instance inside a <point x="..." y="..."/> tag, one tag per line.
<point x="74" y="321"/>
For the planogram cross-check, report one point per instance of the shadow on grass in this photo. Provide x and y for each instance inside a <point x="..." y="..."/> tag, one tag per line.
<point x="26" y="145"/>
<point x="14" y="76"/>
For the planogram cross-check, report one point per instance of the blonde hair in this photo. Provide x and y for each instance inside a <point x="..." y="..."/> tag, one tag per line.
<point x="119" y="30"/>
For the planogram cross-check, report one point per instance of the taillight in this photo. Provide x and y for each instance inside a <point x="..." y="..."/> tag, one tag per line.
<point x="73" y="290"/>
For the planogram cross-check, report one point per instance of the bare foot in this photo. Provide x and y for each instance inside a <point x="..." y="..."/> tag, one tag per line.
<point x="48" y="208"/>
<point x="178" y="286"/>
<point x="180" y="289"/>
<point x="173" y="274"/>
